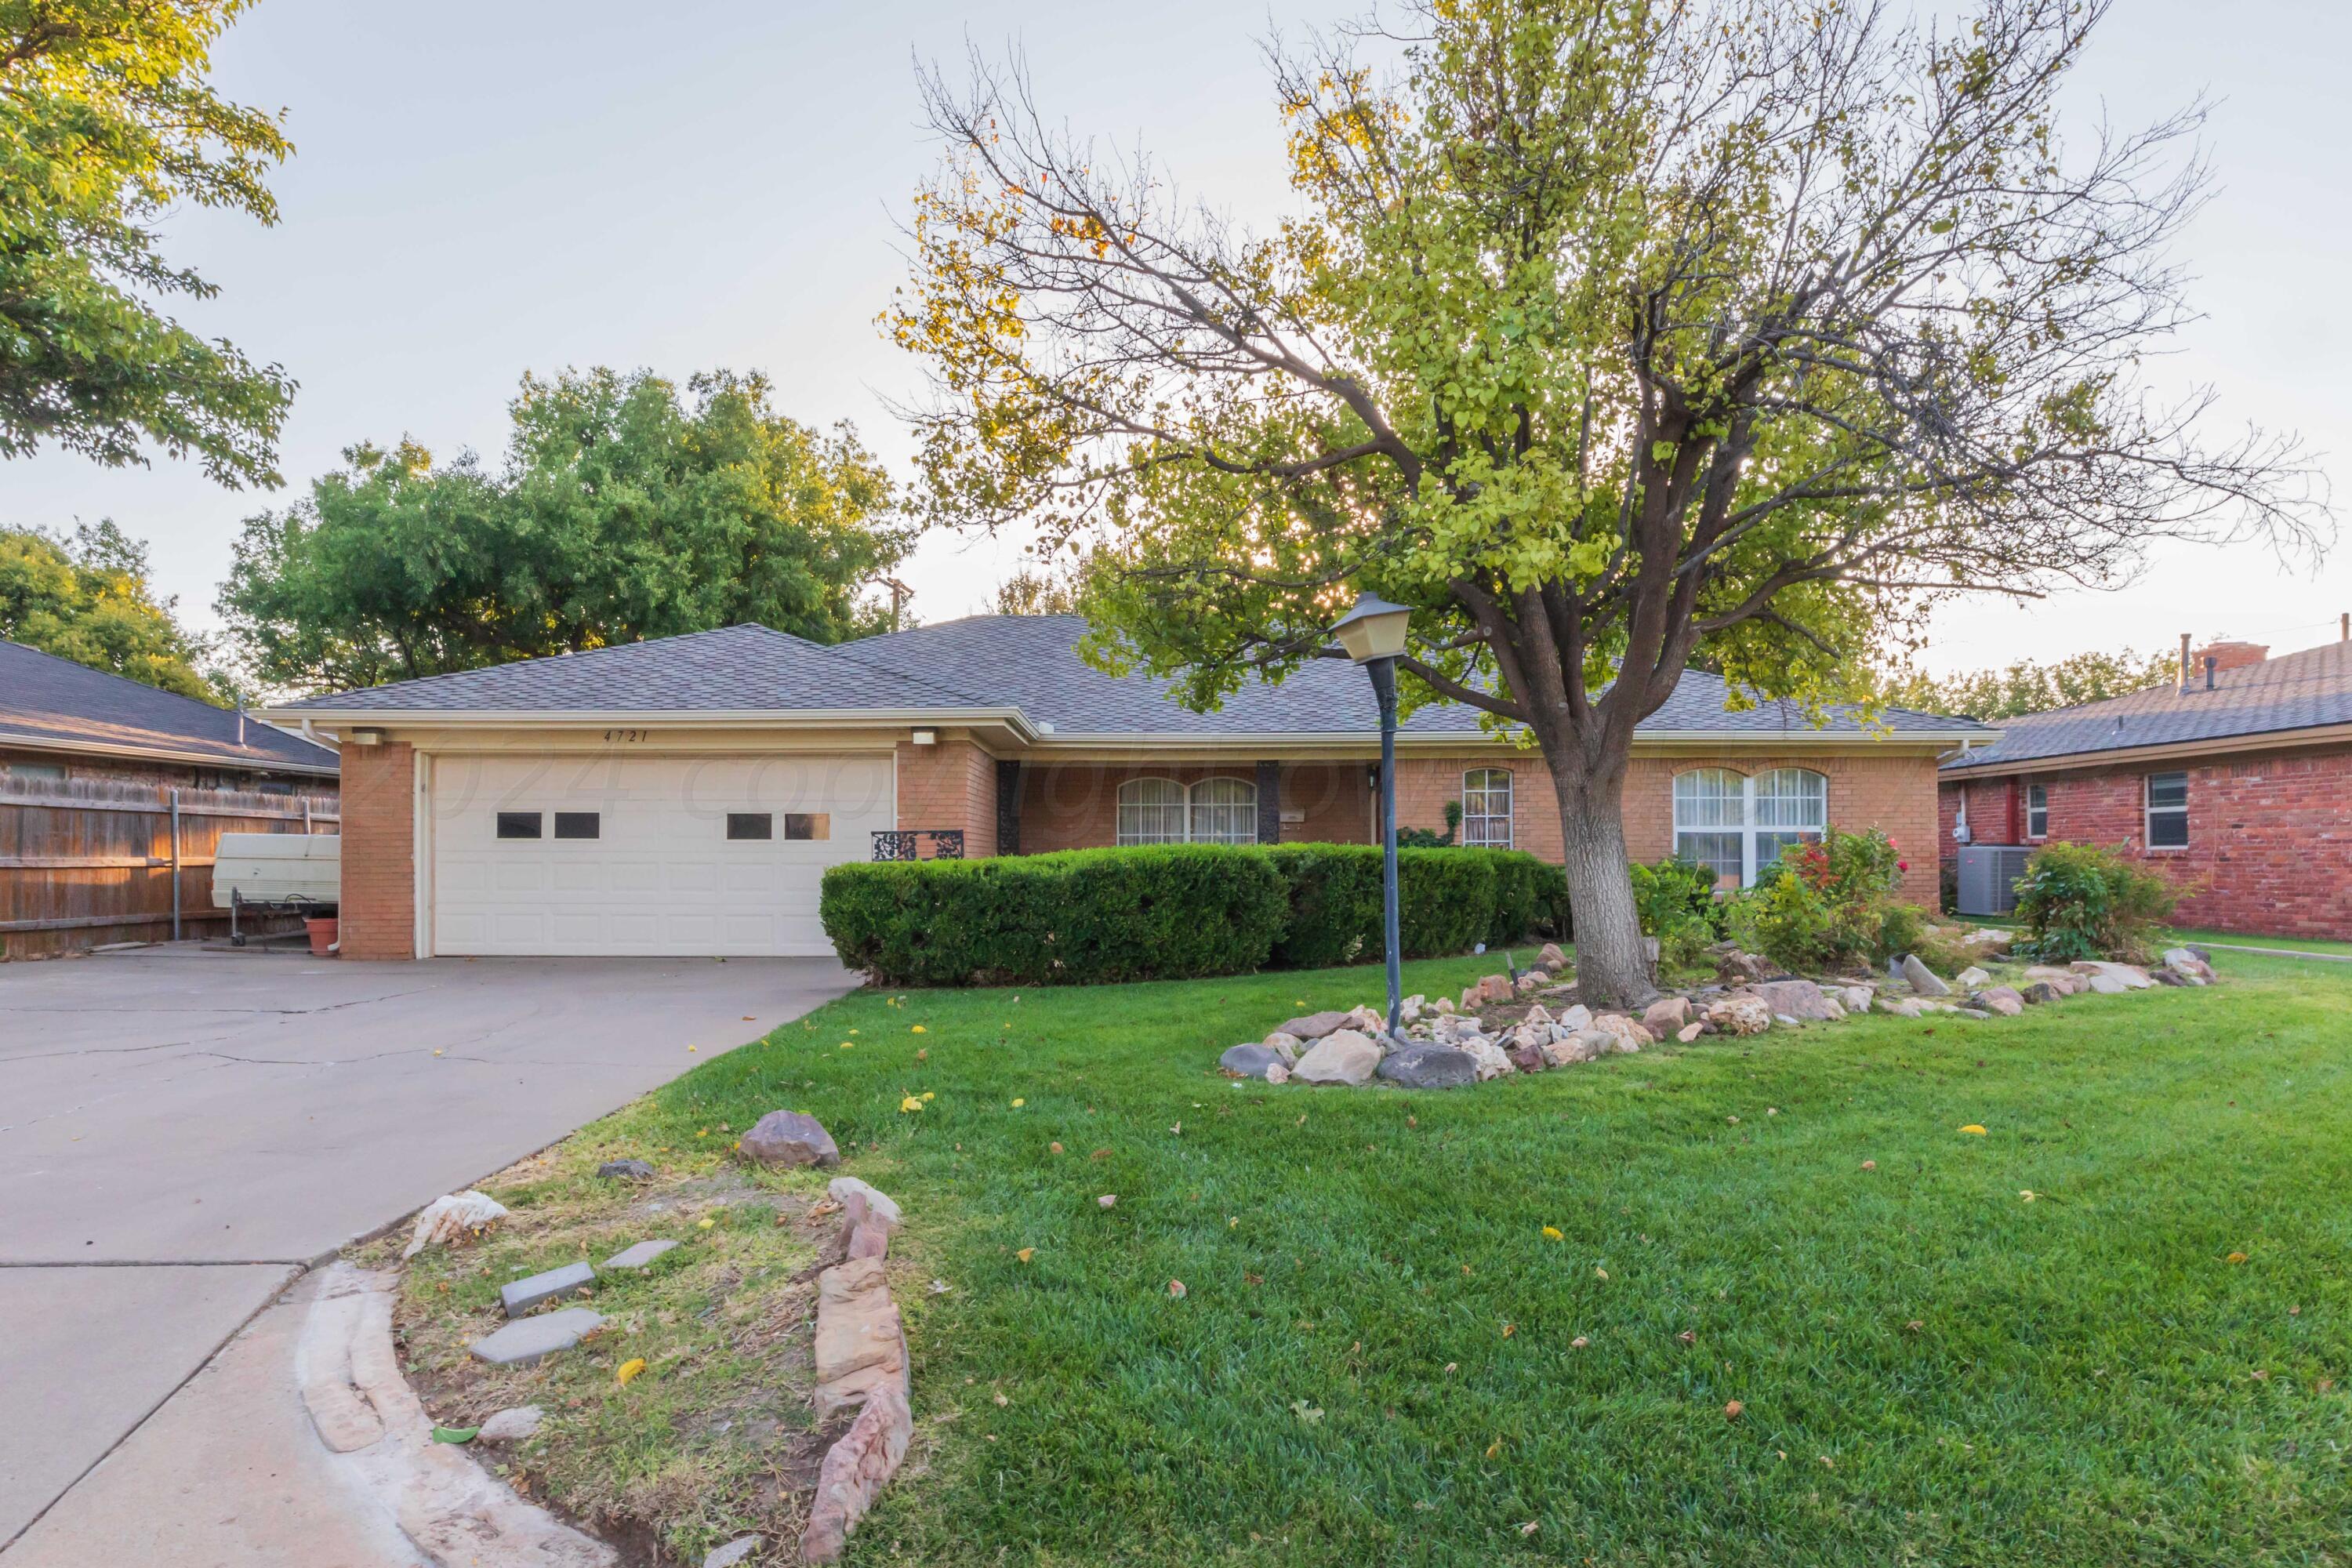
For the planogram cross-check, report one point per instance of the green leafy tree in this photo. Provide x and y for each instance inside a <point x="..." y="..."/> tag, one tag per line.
<point x="622" y="513"/>
<point x="2027" y="687"/>
<point x="86" y="596"/>
<point x="1038" y="590"/>
<point x="1605" y="334"/>
<point x="106" y="122"/>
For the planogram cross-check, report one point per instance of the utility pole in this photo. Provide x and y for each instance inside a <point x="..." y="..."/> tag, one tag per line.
<point x="899" y="594"/>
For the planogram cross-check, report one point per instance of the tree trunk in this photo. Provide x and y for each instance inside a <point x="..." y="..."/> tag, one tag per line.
<point x="1611" y="966"/>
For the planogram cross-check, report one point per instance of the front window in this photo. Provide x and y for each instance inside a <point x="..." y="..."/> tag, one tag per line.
<point x="1737" y="826"/>
<point x="1223" y="811"/>
<point x="1486" y="808"/>
<point x="1213" y="811"/>
<point x="2037" y="811"/>
<point x="1152" y="811"/>
<point x="2168" y="811"/>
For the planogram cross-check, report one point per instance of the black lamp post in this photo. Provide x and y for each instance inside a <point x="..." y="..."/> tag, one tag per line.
<point x="1373" y="635"/>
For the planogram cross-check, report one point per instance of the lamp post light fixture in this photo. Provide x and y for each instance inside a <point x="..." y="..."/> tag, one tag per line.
<point x="1373" y="635"/>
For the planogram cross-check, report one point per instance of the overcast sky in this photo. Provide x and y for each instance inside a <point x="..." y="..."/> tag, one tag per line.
<point x="487" y="188"/>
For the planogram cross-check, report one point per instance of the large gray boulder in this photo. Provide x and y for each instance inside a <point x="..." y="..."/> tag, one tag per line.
<point x="1923" y="980"/>
<point x="1251" y="1060"/>
<point x="2043" y="991"/>
<point x="1343" y="1056"/>
<point x="788" y="1137"/>
<point x="1428" y="1065"/>
<point x="1798" y="999"/>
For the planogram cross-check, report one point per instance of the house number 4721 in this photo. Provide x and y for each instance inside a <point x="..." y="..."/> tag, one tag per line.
<point x="628" y="734"/>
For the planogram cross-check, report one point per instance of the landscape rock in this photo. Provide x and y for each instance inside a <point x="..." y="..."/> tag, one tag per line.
<point x="1731" y="964"/>
<point x="787" y="1138"/>
<point x="1344" y="1056"/>
<point x="1579" y="1016"/>
<point x="1855" y="998"/>
<point x="1366" y="1021"/>
<point x="1969" y="1012"/>
<point x="2172" y="977"/>
<point x="1666" y="1014"/>
<point x="2187" y="961"/>
<point x="1551" y="960"/>
<point x="1971" y="978"/>
<point x="1630" y="1035"/>
<point x="1798" y="999"/>
<point x="1285" y="1045"/>
<point x="1497" y="988"/>
<point x="1584" y="1046"/>
<point x="527" y="1339"/>
<point x="1689" y="1032"/>
<point x="520" y="1295"/>
<point x="1429" y="1066"/>
<point x="1473" y="996"/>
<point x="860" y="1345"/>
<point x="1314" y="1026"/>
<point x="2042" y="991"/>
<point x="1252" y="1061"/>
<point x="640" y="1257"/>
<point x="626" y="1170"/>
<point x="453" y="1218"/>
<point x="1991" y="939"/>
<point x="1277" y="1074"/>
<point x="850" y="1193"/>
<point x="2125" y="974"/>
<point x="1491" y="1060"/>
<point x="2005" y="1000"/>
<point x="1740" y="1014"/>
<point x="735" y="1551"/>
<point x="855" y="1470"/>
<point x="1901" y="1007"/>
<point x="517" y="1424"/>
<point x="1527" y="1056"/>
<point x="2107" y="984"/>
<point x="1923" y="980"/>
<point x="1413" y="1007"/>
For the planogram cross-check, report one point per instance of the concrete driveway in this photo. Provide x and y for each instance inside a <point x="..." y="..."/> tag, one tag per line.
<point x="182" y="1132"/>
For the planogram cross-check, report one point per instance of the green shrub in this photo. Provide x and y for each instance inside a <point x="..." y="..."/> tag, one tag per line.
<point x="1675" y="900"/>
<point x="1448" y="900"/>
<point x="2078" y="902"/>
<point x="1828" y="905"/>
<point x="1168" y="911"/>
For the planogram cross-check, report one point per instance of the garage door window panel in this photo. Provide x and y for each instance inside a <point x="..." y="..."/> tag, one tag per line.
<point x="748" y="825"/>
<point x="579" y="824"/>
<point x="520" y="823"/>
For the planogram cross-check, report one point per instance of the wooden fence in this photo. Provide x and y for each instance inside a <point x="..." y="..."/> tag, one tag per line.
<point x="89" y="861"/>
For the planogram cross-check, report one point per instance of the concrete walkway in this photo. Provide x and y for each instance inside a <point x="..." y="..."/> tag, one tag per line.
<point x="182" y="1132"/>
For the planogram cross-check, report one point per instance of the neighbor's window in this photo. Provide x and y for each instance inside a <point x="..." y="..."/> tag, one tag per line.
<point x="2168" y="811"/>
<point x="1152" y="811"/>
<point x="579" y="824"/>
<point x="2037" y="811"/>
<point x="1223" y="811"/>
<point x="1486" y="808"/>
<point x="53" y="772"/>
<point x="808" y="825"/>
<point x="519" y="824"/>
<point x="750" y="825"/>
<point x="1737" y="826"/>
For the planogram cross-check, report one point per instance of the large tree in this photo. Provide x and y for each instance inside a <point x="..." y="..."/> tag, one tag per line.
<point x="2029" y="686"/>
<point x="1605" y="333"/>
<point x="106" y="124"/>
<point x="623" y="512"/>
<point x="86" y="596"/>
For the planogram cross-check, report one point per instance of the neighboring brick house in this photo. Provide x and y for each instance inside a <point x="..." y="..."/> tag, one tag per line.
<point x="2236" y="781"/>
<point x="686" y="796"/>
<point x="112" y="794"/>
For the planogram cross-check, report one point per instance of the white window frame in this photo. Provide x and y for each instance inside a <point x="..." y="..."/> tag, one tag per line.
<point x="1810" y="825"/>
<point x="2150" y="811"/>
<point x="2037" y="805"/>
<point x="1479" y="829"/>
<point x="1196" y="812"/>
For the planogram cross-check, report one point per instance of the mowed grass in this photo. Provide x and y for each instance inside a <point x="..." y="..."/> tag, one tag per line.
<point x="1377" y="1357"/>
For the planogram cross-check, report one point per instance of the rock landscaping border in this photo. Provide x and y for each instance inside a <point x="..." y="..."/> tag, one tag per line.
<point x="861" y="1361"/>
<point x="1524" y="1022"/>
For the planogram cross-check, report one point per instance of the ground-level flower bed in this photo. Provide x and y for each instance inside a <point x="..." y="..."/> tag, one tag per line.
<point x="1531" y="1021"/>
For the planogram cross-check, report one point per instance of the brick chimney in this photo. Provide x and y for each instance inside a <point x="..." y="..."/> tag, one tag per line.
<point x="2227" y="656"/>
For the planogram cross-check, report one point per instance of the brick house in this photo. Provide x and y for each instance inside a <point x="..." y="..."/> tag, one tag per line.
<point x="112" y="795"/>
<point x="684" y="795"/>
<point x="2236" y="781"/>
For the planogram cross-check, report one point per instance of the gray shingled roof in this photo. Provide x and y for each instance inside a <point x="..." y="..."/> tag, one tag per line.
<point x="45" y="697"/>
<point x="1029" y="662"/>
<point x="2292" y="691"/>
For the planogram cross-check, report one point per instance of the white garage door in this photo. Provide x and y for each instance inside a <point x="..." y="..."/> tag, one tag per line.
<point x="619" y="855"/>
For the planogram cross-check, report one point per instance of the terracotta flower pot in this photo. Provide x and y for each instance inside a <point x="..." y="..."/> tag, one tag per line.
<point x="322" y="934"/>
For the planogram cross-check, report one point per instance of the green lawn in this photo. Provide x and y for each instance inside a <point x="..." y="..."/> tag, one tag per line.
<point x="1380" y="1358"/>
<point x="2240" y="938"/>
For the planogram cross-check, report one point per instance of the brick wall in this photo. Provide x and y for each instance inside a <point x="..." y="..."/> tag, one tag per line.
<point x="2270" y="838"/>
<point x="379" y="851"/>
<point x="949" y="784"/>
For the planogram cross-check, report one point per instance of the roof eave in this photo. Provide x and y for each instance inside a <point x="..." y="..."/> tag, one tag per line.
<point x="198" y="758"/>
<point x="1012" y="719"/>
<point x="2154" y="751"/>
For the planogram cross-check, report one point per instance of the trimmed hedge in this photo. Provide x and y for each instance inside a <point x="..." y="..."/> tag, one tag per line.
<point x="1175" y="911"/>
<point x="1081" y="917"/>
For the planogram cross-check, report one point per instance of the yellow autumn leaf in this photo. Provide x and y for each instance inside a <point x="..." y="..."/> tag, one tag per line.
<point x="911" y="1102"/>
<point x="1973" y="1131"/>
<point x="929" y="1094"/>
<point x="1019" y="1103"/>
<point x="1553" y="1233"/>
<point x="704" y="1224"/>
<point x="1025" y="1254"/>
<point x="2235" y="1257"/>
<point x="918" y="1029"/>
<point x="629" y="1370"/>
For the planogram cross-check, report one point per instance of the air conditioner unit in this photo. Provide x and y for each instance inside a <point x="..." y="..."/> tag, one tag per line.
<point x="1989" y="873"/>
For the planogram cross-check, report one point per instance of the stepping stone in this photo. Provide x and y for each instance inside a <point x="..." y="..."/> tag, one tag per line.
<point x="527" y="1339"/>
<point x="640" y="1257"/>
<point x="626" y="1170"/>
<point x="517" y="1425"/>
<point x="520" y="1295"/>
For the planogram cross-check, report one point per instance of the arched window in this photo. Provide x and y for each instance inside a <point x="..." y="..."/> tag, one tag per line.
<point x="1739" y="826"/>
<point x="1224" y="811"/>
<point x="1213" y="811"/>
<point x="1152" y="811"/>
<point x="1486" y="808"/>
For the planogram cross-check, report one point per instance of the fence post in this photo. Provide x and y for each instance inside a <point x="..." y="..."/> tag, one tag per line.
<point x="175" y="864"/>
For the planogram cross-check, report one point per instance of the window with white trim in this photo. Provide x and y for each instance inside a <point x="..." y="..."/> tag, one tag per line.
<point x="1223" y="811"/>
<point x="2168" y="811"/>
<point x="1162" y="810"/>
<point x="1486" y="808"/>
<point x="1737" y="826"/>
<point x="2037" y="811"/>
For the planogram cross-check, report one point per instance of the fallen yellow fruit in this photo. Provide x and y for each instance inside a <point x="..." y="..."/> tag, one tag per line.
<point x="1019" y="1103"/>
<point x="1552" y="1232"/>
<point x="630" y="1369"/>
<point x="1973" y="1129"/>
